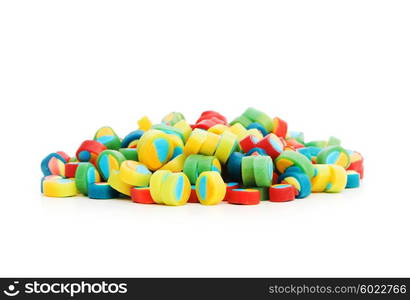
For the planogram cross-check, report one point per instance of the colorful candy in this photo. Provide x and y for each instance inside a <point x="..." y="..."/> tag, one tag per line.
<point x="134" y="173"/>
<point x="210" y="188"/>
<point x="101" y="190"/>
<point x="173" y="162"/>
<point x="282" y="193"/>
<point x="141" y="195"/>
<point x="334" y="155"/>
<point x="59" y="187"/>
<point x="243" y="196"/>
<point x="109" y="160"/>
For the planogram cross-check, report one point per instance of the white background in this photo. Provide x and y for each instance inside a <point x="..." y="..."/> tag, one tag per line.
<point x="327" y="67"/>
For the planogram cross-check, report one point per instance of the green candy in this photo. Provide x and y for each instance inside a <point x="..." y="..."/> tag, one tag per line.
<point x="191" y="167"/>
<point x="172" y="118"/>
<point x="129" y="153"/>
<point x="263" y="170"/>
<point x="263" y="191"/>
<point x="330" y="155"/>
<point x="244" y="121"/>
<point x="84" y="173"/>
<point x="260" y="117"/>
<point x="333" y="141"/>
<point x="248" y="177"/>
<point x="318" y="144"/>
<point x="297" y="159"/>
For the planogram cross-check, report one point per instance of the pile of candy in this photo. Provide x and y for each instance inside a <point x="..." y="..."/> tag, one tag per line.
<point x="250" y="159"/>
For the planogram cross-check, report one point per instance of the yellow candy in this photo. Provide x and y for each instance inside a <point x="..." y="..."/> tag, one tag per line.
<point x="237" y="129"/>
<point x="58" y="187"/>
<point x="104" y="131"/>
<point x="195" y="141"/>
<point x="210" y="144"/>
<point x="226" y="146"/>
<point x="176" y="164"/>
<point x="155" y="149"/>
<point x="144" y="123"/>
<point x="134" y="173"/>
<point x="218" y="129"/>
<point x="184" y="126"/>
<point x="175" y="189"/>
<point x="210" y="188"/>
<point x="155" y="184"/>
<point x="338" y="179"/>
<point x="117" y="184"/>
<point x="321" y="179"/>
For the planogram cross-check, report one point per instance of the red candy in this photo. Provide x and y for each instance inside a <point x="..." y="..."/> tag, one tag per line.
<point x="70" y="169"/>
<point x="243" y="196"/>
<point x="230" y="186"/>
<point x="280" y="127"/>
<point x="193" y="198"/>
<point x="249" y="142"/>
<point x="64" y="155"/>
<point x="208" y="119"/>
<point x="271" y="144"/>
<point x="92" y="147"/>
<point x="141" y="195"/>
<point x="294" y="144"/>
<point x="282" y="193"/>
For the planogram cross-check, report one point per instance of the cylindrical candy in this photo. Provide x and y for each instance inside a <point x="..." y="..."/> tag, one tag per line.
<point x="263" y="170"/>
<point x="175" y="190"/>
<point x="259" y="127"/>
<point x="243" y="196"/>
<point x="334" y="155"/>
<point x="195" y="141"/>
<point x="248" y="143"/>
<point x="155" y="184"/>
<point x="155" y="149"/>
<point x="132" y="136"/>
<point x="230" y="186"/>
<point x="101" y="190"/>
<point x="117" y="184"/>
<point x="281" y="193"/>
<point x="209" y="145"/>
<point x="299" y="180"/>
<point x="338" y="179"/>
<point x="59" y="187"/>
<point x="85" y="175"/>
<point x="291" y="158"/>
<point x="321" y="178"/>
<point x="70" y="169"/>
<point x="260" y="117"/>
<point x="129" y="153"/>
<point x="176" y="164"/>
<point x="234" y="166"/>
<point x="134" y="173"/>
<point x="210" y="188"/>
<point x="280" y="127"/>
<point x="248" y="177"/>
<point x="226" y="146"/>
<point x="109" y="160"/>
<point x="208" y="163"/>
<point x="112" y="142"/>
<point x="271" y="144"/>
<point x="353" y="179"/>
<point x="53" y="164"/>
<point x="89" y="150"/>
<point x="141" y="195"/>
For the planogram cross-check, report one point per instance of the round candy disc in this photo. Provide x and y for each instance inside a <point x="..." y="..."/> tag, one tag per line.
<point x="155" y="149"/>
<point x="85" y="175"/>
<point x="321" y="178"/>
<point x="59" y="187"/>
<point x="141" y="195"/>
<point x="234" y="166"/>
<point x="263" y="170"/>
<point x="291" y="158"/>
<point x="53" y="164"/>
<point x="281" y="193"/>
<point x="109" y="160"/>
<point x="155" y="184"/>
<point x="195" y="141"/>
<point x="101" y="190"/>
<point x="299" y="180"/>
<point x="209" y="145"/>
<point x="210" y="188"/>
<point x="334" y="155"/>
<point x="226" y="146"/>
<point x="353" y="179"/>
<point x="117" y="184"/>
<point x="175" y="190"/>
<point x="243" y="196"/>
<point x="134" y="173"/>
<point x="338" y="179"/>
